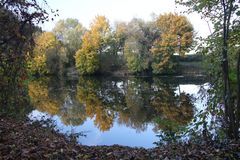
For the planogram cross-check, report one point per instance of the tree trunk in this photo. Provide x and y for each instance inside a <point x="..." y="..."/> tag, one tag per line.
<point x="238" y="93"/>
<point x="227" y="95"/>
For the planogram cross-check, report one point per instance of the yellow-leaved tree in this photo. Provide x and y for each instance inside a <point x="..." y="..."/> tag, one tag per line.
<point x="94" y="46"/>
<point x="48" y="55"/>
<point x="176" y="37"/>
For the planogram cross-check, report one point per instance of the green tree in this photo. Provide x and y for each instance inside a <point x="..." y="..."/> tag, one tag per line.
<point x="224" y="44"/>
<point x="70" y="33"/>
<point x="120" y="36"/>
<point x="89" y="58"/>
<point x="176" y="37"/>
<point x="137" y="46"/>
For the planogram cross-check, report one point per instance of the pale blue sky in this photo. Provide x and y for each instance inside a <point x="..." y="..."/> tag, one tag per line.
<point x="118" y="10"/>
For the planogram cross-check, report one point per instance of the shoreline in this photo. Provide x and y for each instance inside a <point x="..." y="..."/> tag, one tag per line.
<point x="23" y="140"/>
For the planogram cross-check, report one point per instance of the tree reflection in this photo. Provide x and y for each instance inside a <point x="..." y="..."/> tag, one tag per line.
<point x="56" y="99"/>
<point x="72" y="113"/>
<point x="88" y="92"/>
<point x="39" y="95"/>
<point x="134" y="102"/>
<point x="137" y="112"/>
<point x="173" y="110"/>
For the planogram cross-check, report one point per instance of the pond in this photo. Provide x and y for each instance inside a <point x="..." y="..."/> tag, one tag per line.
<point x="109" y="110"/>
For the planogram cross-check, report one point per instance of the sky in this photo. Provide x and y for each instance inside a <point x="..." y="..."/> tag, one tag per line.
<point x="119" y="10"/>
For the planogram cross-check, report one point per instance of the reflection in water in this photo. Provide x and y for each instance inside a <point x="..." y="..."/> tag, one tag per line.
<point x="137" y="112"/>
<point x="72" y="112"/>
<point x="40" y="97"/>
<point x="88" y="93"/>
<point x="173" y="109"/>
<point x="135" y="102"/>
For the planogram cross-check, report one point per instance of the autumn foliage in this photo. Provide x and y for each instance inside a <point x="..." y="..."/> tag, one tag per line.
<point x="176" y="37"/>
<point x="48" y="55"/>
<point x="94" y="44"/>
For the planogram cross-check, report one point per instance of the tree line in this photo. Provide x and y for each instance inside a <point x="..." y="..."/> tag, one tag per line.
<point x="136" y="47"/>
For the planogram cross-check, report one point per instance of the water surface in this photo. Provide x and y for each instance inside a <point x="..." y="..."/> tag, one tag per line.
<point x="125" y="111"/>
